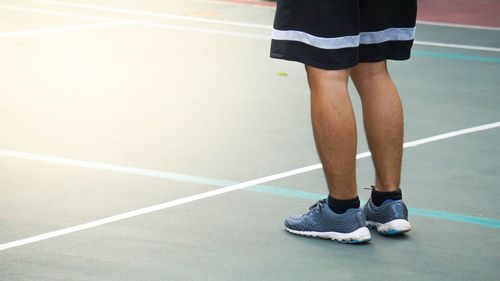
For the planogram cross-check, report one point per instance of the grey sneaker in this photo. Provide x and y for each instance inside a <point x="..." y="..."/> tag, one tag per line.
<point x="390" y="218"/>
<point x="322" y="222"/>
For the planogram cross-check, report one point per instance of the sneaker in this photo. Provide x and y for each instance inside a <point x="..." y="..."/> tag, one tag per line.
<point x="321" y="221"/>
<point x="390" y="218"/>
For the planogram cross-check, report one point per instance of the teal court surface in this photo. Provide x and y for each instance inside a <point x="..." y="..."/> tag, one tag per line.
<point x="156" y="140"/>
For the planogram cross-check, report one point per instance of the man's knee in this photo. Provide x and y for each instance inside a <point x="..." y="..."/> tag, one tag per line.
<point x="364" y="71"/>
<point x="317" y="74"/>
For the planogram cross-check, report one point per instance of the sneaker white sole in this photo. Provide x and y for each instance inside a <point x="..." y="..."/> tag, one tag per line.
<point x="360" y="235"/>
<point x="393" y="227"/>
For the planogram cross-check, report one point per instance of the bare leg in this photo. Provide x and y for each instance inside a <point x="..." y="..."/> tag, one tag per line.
<point x="383" y="121"/>
<point x="334" y="129"/>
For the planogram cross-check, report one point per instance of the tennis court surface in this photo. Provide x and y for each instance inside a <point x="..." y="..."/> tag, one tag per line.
<point x="156" y="140"/>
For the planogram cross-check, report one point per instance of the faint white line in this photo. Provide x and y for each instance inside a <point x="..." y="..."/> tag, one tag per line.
<point x="67" y="28"/>
<point x="424" y="22"/>
<point x="435" y="23"/>
<point x="201" y="30"/>
<point x="268" y="37"/>
<point x="457" y="46"/>
<point x="231" y="23"/>
<point x="151" y="14"/>
<point x="47" y="12"/>
<point x="184" y="200"/>
<point x="134" y="213"/>
<point x="206" y="30"/>
<point x="228" y="3"/>
<point x="452" y="134"/>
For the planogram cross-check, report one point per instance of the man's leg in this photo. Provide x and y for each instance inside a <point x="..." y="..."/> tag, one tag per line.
<point x="383" y="122"/>
<point x="338" y="217"/>
<point x="334" y="127"/>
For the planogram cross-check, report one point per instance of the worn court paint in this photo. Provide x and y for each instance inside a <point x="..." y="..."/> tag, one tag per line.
<point x="150" y="14"/>
<point x="287" y="192"/>
<point x="115" y="22"/>
<point x="453" y="56"/>
<point x="488" y="222"/>
<point x="227" y="186"/>
<point x="458" y="25"/>
<point x="231" y="23"/>
<point x="456" y="46"/>
<point x="483" y="221"/>
<point x="440" y="55"/>
<point x="54" y="13"/>
<point x="13" y="34"/>
<point x="253" y="184"/>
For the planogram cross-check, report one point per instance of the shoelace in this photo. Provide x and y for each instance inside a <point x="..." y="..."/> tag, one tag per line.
<point x="316" y="207"/>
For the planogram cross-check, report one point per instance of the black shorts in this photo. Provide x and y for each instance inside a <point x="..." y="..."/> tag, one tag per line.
<point x="337" y="34"/>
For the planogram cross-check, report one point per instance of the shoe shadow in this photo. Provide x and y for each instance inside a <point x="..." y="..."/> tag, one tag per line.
<point x="400" y="236"/>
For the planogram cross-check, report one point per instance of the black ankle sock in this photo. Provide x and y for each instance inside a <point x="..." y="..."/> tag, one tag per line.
<point x="379" y="197"/>
<point x="340" y="206"/>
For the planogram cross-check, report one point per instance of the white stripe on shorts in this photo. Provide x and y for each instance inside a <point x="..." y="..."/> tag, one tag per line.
<point x="390" y="34"/>
<point x="318" y="42"/>
<point x="374" y="37"/>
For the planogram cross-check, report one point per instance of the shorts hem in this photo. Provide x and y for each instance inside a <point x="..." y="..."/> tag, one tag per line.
<point x="312" y="63"/>
<point x="379" y="59"/>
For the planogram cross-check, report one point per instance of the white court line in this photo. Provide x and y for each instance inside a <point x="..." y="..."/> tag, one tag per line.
<point x="452" y="134"/>
<point x="207" y="30"/>
<point x="68" y="28"/>
<point x="55" y="13"/>
<point x="471" y="26"/>
<point x="456" y="46"/>
<point x="110" y="9"/>
<point x="184" y="200"/>
<point x="268" y="37"/>
<point x="231" y="23"/>
<point x="151" y="14"/>
<point x="201" y="30"/>
<point x="423" y="22"/>
<point x="127" y="22"/>
<point x="227" y="3"/>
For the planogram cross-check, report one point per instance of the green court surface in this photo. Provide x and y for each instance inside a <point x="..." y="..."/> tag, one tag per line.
<point x="156" y="140"/>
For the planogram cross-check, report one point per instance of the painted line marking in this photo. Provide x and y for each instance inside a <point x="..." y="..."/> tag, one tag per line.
<point x="55" y="13"/>
<point x="456" y="46"/>
<point x="453" y="56"/>
<point x="241" y="24"/>
<point x="143" y="22"/>
<point x="255" y="4"/>
<point x="268" y="37"/>
<point x="287" y="192"/>
<point x="267" y="5"/>
<point x="184" y="200"/>
<point x="207" y="30"/>
<point x="204" y="20"/>
<point x="143" y="211"/>
<point x="446" y="24"/>
<point x="452" y="134"/>
<point x="150" y="14"/>
<point x="9" y="34"/>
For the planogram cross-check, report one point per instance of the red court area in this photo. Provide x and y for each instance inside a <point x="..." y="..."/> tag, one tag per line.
<point x="469" y="12"/>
